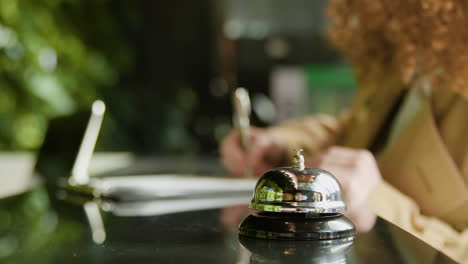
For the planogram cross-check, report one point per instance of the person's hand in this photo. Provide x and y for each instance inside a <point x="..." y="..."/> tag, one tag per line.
<point x="265" y="152"/>
<point x="358" y="174"/>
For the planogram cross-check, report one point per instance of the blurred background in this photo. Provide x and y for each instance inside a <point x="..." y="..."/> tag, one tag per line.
<point x="165" y="69"/>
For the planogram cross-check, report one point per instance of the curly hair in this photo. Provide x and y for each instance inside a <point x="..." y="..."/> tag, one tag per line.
<point x="404" y="37"/>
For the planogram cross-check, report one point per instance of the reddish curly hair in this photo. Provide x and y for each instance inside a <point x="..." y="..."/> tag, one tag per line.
<point x="404" y="37"/>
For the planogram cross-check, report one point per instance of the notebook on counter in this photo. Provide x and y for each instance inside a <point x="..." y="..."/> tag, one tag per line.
<point x="64" y="159"/>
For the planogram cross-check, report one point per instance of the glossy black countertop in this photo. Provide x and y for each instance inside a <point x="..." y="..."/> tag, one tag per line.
<point x="34" y="229"/>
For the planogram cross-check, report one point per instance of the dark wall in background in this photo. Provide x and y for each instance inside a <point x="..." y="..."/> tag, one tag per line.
<point x="164" y="103"/>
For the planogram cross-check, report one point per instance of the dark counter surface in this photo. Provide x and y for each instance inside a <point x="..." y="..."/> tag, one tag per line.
<point x="34" y="229"/>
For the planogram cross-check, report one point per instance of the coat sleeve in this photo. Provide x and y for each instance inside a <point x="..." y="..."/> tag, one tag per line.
<point x="313" y="134"/>
<point x="403" y="212"/>
<point x="316" y="133"/>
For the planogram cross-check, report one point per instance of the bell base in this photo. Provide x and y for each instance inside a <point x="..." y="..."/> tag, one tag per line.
<point x="297" y="252"/>
<point x="285" y="226"/>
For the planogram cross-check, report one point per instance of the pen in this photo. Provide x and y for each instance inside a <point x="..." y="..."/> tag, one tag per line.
<point x="242" y="110"/>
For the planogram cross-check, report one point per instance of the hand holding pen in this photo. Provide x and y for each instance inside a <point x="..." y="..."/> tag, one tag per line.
<point x="249" y="151"/>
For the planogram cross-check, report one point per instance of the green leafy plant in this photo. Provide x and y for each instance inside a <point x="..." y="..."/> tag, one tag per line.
<point x="55" y="55"/>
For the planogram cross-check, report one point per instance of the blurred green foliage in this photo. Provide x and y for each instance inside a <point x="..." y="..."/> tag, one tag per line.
<point x="31" y="232"/>
<point x="55" y="55"/>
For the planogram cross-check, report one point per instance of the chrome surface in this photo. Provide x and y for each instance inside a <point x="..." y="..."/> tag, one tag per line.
<point x="298" y="160"/>
<point x="322" y="251"/>
<point x="298" y="190"/>
<point x="296" y="227"/>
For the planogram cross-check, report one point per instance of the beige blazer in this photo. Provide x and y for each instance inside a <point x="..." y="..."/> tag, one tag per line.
<point x="425" y="189"/>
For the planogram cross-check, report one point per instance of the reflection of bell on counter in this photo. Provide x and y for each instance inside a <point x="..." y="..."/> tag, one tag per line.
<point x="299" y="252"/>
<point x="297" y="203"/>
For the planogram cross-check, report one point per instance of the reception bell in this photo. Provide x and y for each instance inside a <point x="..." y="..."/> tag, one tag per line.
<point x="297" y="203"/>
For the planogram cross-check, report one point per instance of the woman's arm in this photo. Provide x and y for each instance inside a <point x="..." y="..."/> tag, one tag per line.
<point x="313" y="134"/>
